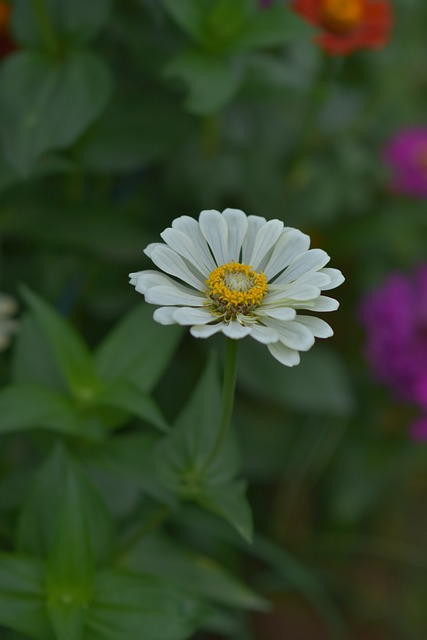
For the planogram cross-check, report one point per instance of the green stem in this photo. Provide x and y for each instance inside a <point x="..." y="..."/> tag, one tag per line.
<point x="229" y="384"/>
<point x="45" y="26"/>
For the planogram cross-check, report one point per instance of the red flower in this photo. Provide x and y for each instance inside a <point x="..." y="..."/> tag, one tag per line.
<point x="348" y="24"/>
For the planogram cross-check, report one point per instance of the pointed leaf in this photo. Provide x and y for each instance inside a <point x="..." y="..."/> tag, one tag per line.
<point x="22" y="597"/>
<point x="31" y="406"/>
<point x="138" y="349"/>
<point x="272" y="27"/>
<point x="188" y="14"/>
<point x="72" y="354"/>
<point x="126" y="395"/>
<point x="46" y="104"/>
<point x="212" y="81"/>
<point x="72" y="19"/>
<point x="130" y="606"/>
<point x="184" y="460"/>
<point x="60" y="481"/>
<point x="192" y="571"/>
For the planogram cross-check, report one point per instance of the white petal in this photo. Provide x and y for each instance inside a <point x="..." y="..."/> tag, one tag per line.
<point x="167" y="260"/>
<point x="291" y="244"/>
<point x="288" y="357"/>
<point x="311" y="260"/>
<point x="294" y="291"/>
<point x="254" y="225"/>
<point x="266" y="237"/>
<point x="191" y="228"/>
<point x="235" y="330"/>
<point x="206" y="330"/>
<point x="292" y="334"/>
<point x="215" y="230"/>
<point x="188" y="315"/>
<point x="278" y="313"/>
<point x="164" y="315"/>
<point x="170" y="295"/>
<point x="265" y="335"/>
<point x="319" y="328"/>
<point x="323" y="303"/>
<point x="184" y="246"/>
<point x="336" y="277"/>
<point x="237" y="222"/>
<point x="146" y="279"/>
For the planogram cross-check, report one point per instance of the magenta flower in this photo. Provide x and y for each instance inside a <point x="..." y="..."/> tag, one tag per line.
<point x="406" y="156"/>
<point x="395" y="319"/>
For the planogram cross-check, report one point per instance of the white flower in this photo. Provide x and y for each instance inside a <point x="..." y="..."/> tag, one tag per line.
<point x="243" y="276"/>
<point x="8" y="307"/>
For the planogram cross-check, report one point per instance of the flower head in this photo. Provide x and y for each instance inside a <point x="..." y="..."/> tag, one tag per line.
<point x="406" y="156"/>
<point x="348" y="25"/>
<point x="7" y="45"/>
<point x="243" y="276"/>
<point x="8" y="307"/>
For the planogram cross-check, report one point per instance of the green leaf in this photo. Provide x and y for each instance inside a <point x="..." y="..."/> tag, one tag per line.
<point x="130" y="606"/>
<point x="70" y="560"/>
<point x="272" y="27"/>
<point x="132" y="458"/>
<point x="33" y="360"/>
<point x="184" y="457"/>
<point x="61" y="494"/>
<point x="188" y="14"/>
<point x="46" y="104"/>
<point x="193" y="572"/>
<point x="137" y="350"/>
<point x="75" y="20"/>
<point x="318" y="385"/>
<point x="22" y="596"/>
<point x="31" y="406"/>
<point x="212" y="81"/>
<point x="73" y="356"/>
<point x="126" y="395"/>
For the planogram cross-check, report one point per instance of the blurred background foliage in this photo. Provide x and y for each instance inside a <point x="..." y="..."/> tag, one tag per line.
<point x="115" y="118"/>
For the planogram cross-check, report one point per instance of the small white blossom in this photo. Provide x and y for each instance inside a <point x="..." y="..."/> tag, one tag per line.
<point x="8" y="307"/>
<point x="243" y="276"/>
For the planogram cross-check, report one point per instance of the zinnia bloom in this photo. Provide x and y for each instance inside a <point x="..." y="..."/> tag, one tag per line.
<point x="348" y="25"/>
<point x="406" y="155"/>
<point x="395" y="318"/>
<point x="243" y="276"/>
<point x="8" y="307"/>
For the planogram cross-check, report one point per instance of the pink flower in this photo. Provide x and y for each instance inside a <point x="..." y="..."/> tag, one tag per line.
<point x="406" y="156"/>
<point x="395" y="319"/>
<point x="418" y="430"/>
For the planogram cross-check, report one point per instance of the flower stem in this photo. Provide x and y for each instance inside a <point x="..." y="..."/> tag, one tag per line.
<point x="229" y="384"/>
<point x="45" y="26"/>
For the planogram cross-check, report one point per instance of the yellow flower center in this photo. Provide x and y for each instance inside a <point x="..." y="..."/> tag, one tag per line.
<point x="235" y="288"/>
<point x="342" y="16"/>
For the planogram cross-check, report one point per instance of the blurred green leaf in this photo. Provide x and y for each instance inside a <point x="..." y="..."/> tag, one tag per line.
<point x="70" y="559"/>
<point x="126" y="395"/>
<point x="212" y="81"/>
<point x="72" y="354"/>
<point x="59" y="488"/>
<point x="318" y="384"/>
<point x="272" y="27"/>
<point x="31" y="406"/>
<point x="193" y="572"/>
<point x="134" y="131"/>
<point x="33" y="360"/>
<point x="184" y="457"/>
<point x="74" y="20"/>
<point x="137" y="350"/>
<point x="188" y="14"/>
<point x="126" y="605"/>
<point x="46" y="104"/>
<point x="22" y="597"/>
